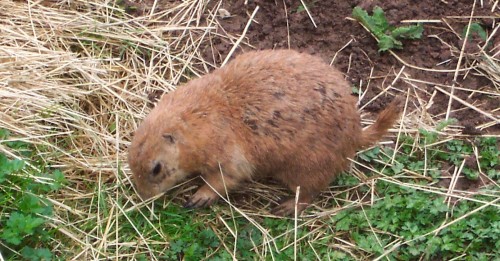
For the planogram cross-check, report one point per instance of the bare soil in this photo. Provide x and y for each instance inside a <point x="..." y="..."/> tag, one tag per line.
<point x="283" y="24"/>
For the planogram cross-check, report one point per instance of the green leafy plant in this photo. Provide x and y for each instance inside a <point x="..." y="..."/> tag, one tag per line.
<point x="302" y="8"/>
<point x="388" y="36"/>
<point x="475" y="28"/>
<point x="408" y="214"/>
<point x="25" y="210"/>
<point x="355" y="90"/>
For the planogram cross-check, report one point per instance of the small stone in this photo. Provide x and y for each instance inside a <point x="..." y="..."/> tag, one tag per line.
<point x="223" y="13"/>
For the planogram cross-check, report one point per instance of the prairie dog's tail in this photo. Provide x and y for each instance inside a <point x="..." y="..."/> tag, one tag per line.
<point x="384" y="121"/>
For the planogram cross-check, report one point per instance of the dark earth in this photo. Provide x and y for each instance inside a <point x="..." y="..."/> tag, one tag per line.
<point x="285" y="24"/>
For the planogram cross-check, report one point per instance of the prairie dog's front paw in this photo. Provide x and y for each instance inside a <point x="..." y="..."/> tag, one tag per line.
<point x="202" y="198"/>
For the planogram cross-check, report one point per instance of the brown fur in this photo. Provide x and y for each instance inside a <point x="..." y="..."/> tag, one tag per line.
<point x="276" y="113"/>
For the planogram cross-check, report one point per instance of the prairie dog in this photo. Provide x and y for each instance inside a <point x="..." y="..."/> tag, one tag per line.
<point x="276" y="113"/>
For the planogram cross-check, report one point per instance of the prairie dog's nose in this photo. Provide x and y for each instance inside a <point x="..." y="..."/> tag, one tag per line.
<point x="156" y="168"/>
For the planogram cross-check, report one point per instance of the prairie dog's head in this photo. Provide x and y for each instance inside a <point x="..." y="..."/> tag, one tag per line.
<point x="154" y="155"/>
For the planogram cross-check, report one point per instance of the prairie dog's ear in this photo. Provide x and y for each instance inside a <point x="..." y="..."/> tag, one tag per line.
<point x="169" y="137"/>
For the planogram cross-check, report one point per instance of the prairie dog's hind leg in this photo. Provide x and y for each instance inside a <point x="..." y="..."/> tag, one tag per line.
<point x="287" y="207"/>
<point x="308" y="191"/>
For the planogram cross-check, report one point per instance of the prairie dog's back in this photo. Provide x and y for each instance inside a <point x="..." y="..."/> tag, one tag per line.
<point x="284" y="101"/>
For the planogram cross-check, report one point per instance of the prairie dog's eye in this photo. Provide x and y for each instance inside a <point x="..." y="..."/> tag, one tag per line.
<point x="169" y="137"/>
